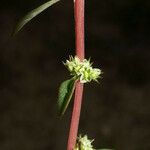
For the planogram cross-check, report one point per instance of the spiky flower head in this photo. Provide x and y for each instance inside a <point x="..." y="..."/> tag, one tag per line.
<point x="83" y="143"/>
<point x="82" y="70"/>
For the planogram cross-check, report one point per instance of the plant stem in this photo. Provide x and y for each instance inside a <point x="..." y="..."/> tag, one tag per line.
<point x="79" y="37"/>
<point x="75" y="116"/>
<point x="79" y="27"/>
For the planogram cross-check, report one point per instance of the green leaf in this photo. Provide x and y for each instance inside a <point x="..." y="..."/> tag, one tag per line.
<point x="66" y="91"/>
<point x="33" y="14"/>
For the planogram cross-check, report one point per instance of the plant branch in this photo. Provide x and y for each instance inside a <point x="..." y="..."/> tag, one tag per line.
<point x="79" y="37"/>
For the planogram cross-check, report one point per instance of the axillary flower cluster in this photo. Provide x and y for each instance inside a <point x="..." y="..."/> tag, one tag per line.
<point x="83" y="143"/>
<point x="82" y="70"/>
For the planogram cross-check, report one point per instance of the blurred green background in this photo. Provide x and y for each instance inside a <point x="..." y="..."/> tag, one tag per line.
<point x="116" y="112"/>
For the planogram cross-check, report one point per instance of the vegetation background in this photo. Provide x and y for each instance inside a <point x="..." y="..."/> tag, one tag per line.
<point x="115" y="112"/>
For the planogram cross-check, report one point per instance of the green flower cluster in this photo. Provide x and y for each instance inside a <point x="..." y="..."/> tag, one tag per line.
<point x="82" y="70"/>
<point x="83" y="143"/>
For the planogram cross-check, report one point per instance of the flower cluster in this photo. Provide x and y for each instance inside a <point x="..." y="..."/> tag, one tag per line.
<point x="82" y="70"/>
<point x="83" y="143"/>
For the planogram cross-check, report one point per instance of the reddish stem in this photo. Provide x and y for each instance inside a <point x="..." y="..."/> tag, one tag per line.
<point x="75" y="116"/>
<point x="79" y="33"/>
<point x="79" y="27"/>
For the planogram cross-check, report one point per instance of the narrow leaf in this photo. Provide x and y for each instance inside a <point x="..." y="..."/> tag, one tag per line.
<point x="66" y="91"/>
<point x="33" y="14"/>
